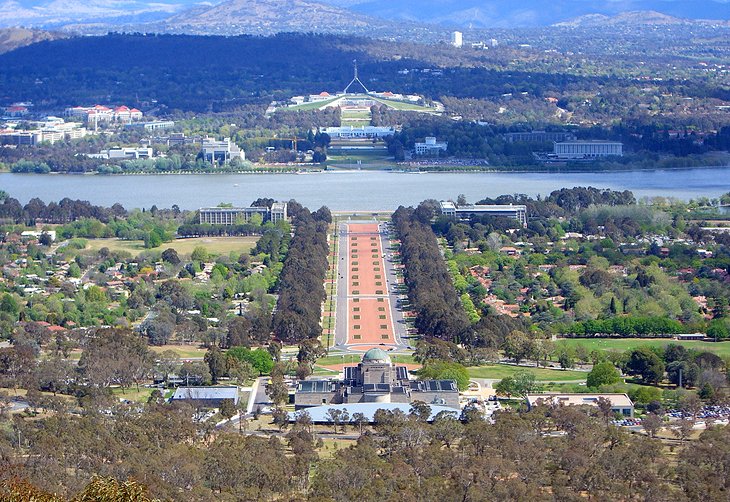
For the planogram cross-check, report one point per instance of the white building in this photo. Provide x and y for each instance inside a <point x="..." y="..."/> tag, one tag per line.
<point x="124" y="153"/>
<point x="221" y="151"/>
<point x="431" y="147"/>
<point x="358" y="132"/>
<point x="514" y="211"/>
<point x="457" y="39"/>
<point x="587" y="149"/>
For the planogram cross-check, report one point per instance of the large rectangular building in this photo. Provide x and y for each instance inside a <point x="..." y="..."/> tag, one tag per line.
<point x="514" y="211"/>
<point x="538" y="136"/>
<point x="587" y="149"/>
<point x="366" y="132"/>
<point x="235" y="215"/>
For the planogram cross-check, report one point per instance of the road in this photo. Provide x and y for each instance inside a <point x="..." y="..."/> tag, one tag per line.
<point x="345" y="294"/>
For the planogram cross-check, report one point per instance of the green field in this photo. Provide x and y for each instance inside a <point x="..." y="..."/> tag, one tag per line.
<point x="309" y="106"/>
<point x="184" y="351"/>
<point x="353" y="358"/>
<point x="401" y="105"/>
<point x="214" y="245"/>
<point x="356" y="114"/>
<point x="500" y="371"/>
<point x="722" y="349"/>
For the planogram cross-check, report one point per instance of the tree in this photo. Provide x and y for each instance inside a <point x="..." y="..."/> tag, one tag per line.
<point x="217" y="364"/>
<point x="519" y="346"/>
<point x="603" y="374"/>
<point x="645" y="363"/>
<point x="683" y="429"/>
<point x="335" y="416"/>
<point x="227" y="408"/>
<point x="280" y="417"/>
<point x="520" y="384"/>
<point x="115" y="356"/>
<point x="440" y="370"/>
<point x="199" y="254"/>
<point x="359" y="420"/>
<point x="651" y="424"/>
<point x="260" y="358"/>
<point x="195" y="373"/>
<point x="170" y="256"/>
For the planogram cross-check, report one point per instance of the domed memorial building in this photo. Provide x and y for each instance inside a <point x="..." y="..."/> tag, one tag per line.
<point x="376" y="380"/>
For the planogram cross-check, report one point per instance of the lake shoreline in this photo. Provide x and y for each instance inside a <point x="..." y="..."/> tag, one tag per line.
<point x="424" y="170"/>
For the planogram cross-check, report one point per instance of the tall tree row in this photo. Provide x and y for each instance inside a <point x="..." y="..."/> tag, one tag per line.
<point x="301" y="284"/>
<point x="439" y="312"/>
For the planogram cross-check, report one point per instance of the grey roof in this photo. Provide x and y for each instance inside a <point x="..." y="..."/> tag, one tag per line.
<point x="319" y="413"/>
<point x="206" y="393"/>
<point x="316" y="386"/>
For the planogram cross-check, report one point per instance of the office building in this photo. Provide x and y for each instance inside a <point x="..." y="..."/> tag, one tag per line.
<point x="220" y="151"/>
<point x="568" y="150"/>
<point x="431" y="147"/>
<point x="236" y="215"/>
<point x="512" y="211"/>
<point x="457" y="39"/>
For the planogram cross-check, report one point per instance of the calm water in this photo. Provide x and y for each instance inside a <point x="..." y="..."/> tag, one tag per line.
<point x="356" y="190"/>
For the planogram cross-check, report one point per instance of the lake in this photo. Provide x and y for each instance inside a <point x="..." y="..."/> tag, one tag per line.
<point x="355" y="190"/>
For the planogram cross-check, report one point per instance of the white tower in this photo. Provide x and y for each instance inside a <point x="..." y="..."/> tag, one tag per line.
<point x="457" y="39"/>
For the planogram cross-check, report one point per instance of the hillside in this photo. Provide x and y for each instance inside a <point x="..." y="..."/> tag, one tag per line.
<point x="634" y="18"/>
<point x="13" y="38"/>
<point x="270" y="16"/>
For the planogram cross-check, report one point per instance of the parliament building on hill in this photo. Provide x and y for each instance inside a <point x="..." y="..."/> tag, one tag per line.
<point x="376" y="380"/>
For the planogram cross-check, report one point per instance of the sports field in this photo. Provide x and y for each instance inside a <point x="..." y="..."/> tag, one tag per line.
<point x="500" y="371"/>
<point x="214" y="245"/>
<point x="722" y="349"/>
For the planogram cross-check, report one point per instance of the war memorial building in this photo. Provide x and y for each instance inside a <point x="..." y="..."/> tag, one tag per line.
<point x="376" y="380"/>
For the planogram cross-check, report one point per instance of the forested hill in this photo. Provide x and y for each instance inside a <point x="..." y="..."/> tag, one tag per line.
<point x="223" y="72"/>
<point x="162" y="73"/>
<point x="180" y="71"/>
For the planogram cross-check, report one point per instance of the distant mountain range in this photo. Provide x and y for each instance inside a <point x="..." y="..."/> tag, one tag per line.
<point x="527" y="13"/>
<point x="266" y="16"/>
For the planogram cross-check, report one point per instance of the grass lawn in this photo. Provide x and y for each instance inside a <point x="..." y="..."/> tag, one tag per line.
<point x="402" y="105"/>
<point x="500" y="371"/>
<point x="330" y="446"/>
<point x="356" y="114"/>
<point x="722" y="349"/>
<point x="355" y="358"/>
<point x="214" y="245"/>
<point x="355" y="122"/>
<point x="308" y="106"/>
<point x="132" y="394"/>
<point x="184" y="351"/>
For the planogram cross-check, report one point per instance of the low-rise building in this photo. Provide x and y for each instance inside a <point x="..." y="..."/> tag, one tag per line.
<point x="620" y="403"/>
<point x="236" y="215"/>
<point x="567" y="150"/>
<point x="367" y="132"/>
<point x="124" y="153"/>
<point x="514" y="211"/>
<point x="155" y="125"/>
<point x="431" y="147"/>
<point x="207" y="397"/>
<point x="538" y="136"/>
